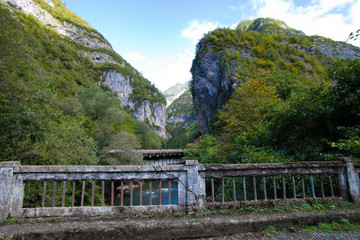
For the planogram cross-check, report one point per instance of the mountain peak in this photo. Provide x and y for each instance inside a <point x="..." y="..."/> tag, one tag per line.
<point x="268" y="25"/>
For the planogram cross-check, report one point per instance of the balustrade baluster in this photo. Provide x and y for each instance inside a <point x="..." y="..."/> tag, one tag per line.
<point x="244" y="187"/>
<point x="169" y="191"/>
<point x="140" y="198"/>
<point x="212" y="191"/>
<point x="92" y="192"/>
<point x="112" y="193"/>
<point x="54" y="194"/>
<point x="274" y="184"/>
<point x="255" y="191"/>
<point x="284" y="186"/>
<point x="43" y="195"/>
<point x="234" y="189"/>
<point x="160" y="192"/>
<point x="293" y="185"/>
<point x="63" y="194"/>
<point x="82" y="193"/>
<point x="73" y="193"/>
<point x="264" y="183"/>
<point x="150" y="192"/>
<point x="102" y="192"/>
<point x="322" y="186"/>
<point x="331" y="186"/>
<point x="122" y="193"/>
<point x="131" y="193"/>
<point x="222" y="190"/>
<point x="303" y="186"/>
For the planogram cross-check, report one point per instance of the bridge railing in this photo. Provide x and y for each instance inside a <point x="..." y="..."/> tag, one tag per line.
<point x="114" y="190"/>
<point x="92" y="190"/>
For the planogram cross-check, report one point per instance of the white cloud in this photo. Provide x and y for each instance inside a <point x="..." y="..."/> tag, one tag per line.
<point x="166" y="72"/>
<point x="197" y="30"/>
<point x="133" y="56"/>
<point x="326" y="18"/>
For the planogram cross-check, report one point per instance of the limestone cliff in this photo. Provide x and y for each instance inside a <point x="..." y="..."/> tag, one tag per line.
<point x="118" y="75"/>
<point x="182" y="121"/>
<point x="258" y="48"/>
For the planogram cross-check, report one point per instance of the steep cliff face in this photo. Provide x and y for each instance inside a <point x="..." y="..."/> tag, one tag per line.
<point x="260" y="48"/>
<point x="182" y="121"/>
<point x="181" y="111"/>
<point x="175" y="92"/>
<point x="118" y="75"/>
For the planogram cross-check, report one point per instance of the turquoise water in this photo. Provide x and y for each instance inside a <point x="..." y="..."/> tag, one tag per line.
<point x="155" y="194"/>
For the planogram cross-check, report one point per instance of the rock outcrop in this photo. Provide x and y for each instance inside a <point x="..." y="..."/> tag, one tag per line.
<point x="77" y="34"/>
<point x="100" y="52"/>
<point x="182" y="111"/>
<point x="153" y="112"/>
<point x="221" y="62"/>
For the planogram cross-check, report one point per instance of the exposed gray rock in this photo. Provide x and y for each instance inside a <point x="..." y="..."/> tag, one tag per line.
<point x="99" y="57"/>
<point x="155" y="112"/>
<point x="337" y="49"/>
<point x="212" y="86"/>
<point x="91" y="40"/>
<point x="156" y="117"/>
<point x="213" y="81"/>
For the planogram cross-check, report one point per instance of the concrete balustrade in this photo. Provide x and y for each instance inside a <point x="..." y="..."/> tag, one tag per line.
<point x="193" y="182"/>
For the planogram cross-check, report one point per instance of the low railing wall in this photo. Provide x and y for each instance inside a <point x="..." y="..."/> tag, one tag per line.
<point x="112" y="190"/>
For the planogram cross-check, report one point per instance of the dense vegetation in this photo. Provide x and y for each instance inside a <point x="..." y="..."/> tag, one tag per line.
<point x="185" y="128"/>
<point x="287" y="107"/>
<point x="52" y="109"/>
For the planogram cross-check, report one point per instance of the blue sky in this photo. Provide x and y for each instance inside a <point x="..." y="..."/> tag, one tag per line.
<point x="158" y="37"/>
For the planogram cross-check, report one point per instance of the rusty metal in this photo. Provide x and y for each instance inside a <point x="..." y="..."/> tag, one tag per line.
<point x="112" y="193"/>
<point x="92" y="192"/>
<point x="150" y="192"/>
<point x="284" y="186"/>
<point x="131" y="192"/>
<point x="293" y="185"/>
<point x="303" y="186"/>
<point x="264" y="183"/>
<point x="331" y="186"/>
<point x="322" y="186"/>
<point x="212" y="191"/>
<point x="82" y="194"/>
<point x="222" y="190"/>
<point x="244" y="187"/>
<point x="54" y="194"/>
<point x="255" y="190"/>
<point x="169" y="191"/>
<point x="234" y="189"/>
<point x="63" y="194"/>
<point x="122" y="194"/>
<point x="274" y="184"/>
<point x="140" y="198"/>
<point x="102" y="192"/>
<point x="44" y="194"/>
<point x="160" y="192"/>
<point x="73" y="193"/>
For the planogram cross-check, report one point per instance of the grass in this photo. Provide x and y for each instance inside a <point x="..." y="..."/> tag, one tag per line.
<point x="342" y="225"/>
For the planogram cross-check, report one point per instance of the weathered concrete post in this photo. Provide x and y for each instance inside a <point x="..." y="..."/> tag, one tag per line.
<point x="6" y="187"/>
<point x="352" y="178"/>
<point x="195" y="187"/>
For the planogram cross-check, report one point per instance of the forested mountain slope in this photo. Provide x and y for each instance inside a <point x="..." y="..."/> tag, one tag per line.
<point x="261" y="48"/>
<point x="66" y="96"/>
<point x="267" y="93"/>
